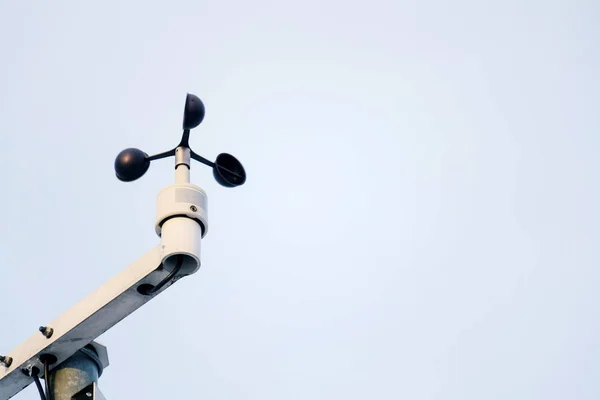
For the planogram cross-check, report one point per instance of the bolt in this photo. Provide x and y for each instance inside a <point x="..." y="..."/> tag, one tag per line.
<point x="6" y="361"/>
<point x="193" y="208"/>
<point x="46" y="331"/>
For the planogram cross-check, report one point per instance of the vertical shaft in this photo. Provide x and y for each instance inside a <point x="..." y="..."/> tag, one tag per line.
<point x="182" y="165"/>
<point x="74" y="374"/>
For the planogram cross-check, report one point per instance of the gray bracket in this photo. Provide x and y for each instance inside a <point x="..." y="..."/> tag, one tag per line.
<point x="91" y="392"/>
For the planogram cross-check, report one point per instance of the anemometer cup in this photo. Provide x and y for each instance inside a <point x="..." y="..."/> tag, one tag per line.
<point x="228" y="171"/>
<point x="131" y="164"/>
<point x="193" y="113"/>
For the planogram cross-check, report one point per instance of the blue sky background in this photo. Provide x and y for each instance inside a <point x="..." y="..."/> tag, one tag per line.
<point x="420" y="219"/>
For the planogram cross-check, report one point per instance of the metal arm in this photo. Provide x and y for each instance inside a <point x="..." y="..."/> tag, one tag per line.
<point x="84" y="322"/>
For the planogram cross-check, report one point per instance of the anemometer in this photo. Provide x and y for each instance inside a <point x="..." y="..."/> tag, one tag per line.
<point x="64" y="353"/>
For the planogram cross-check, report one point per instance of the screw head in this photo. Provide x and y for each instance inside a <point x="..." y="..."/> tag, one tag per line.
<point x="6" y="361"/>
<point x="46" y="331"/>
<point x="194" y="208"/>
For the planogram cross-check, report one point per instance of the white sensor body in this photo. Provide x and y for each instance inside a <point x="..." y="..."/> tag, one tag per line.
<point x="181" y="222"/>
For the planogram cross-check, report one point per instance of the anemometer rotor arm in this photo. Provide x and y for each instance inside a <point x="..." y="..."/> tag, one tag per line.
<point x="201" y="159"/>
<point x="158" y="156"/>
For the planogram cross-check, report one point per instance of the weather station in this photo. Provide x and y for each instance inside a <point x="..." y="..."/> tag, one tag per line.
<point x="63" y="353"/>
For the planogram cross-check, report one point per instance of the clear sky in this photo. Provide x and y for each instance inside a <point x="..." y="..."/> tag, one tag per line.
<point x="420" y="219"/>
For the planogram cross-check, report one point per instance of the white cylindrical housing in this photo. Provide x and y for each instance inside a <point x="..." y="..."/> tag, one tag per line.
<point x="181" y="236"/>
<point x="181" y="223"/>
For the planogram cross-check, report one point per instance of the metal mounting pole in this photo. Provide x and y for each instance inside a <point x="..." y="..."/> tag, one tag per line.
<point x="74" y="374"/>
